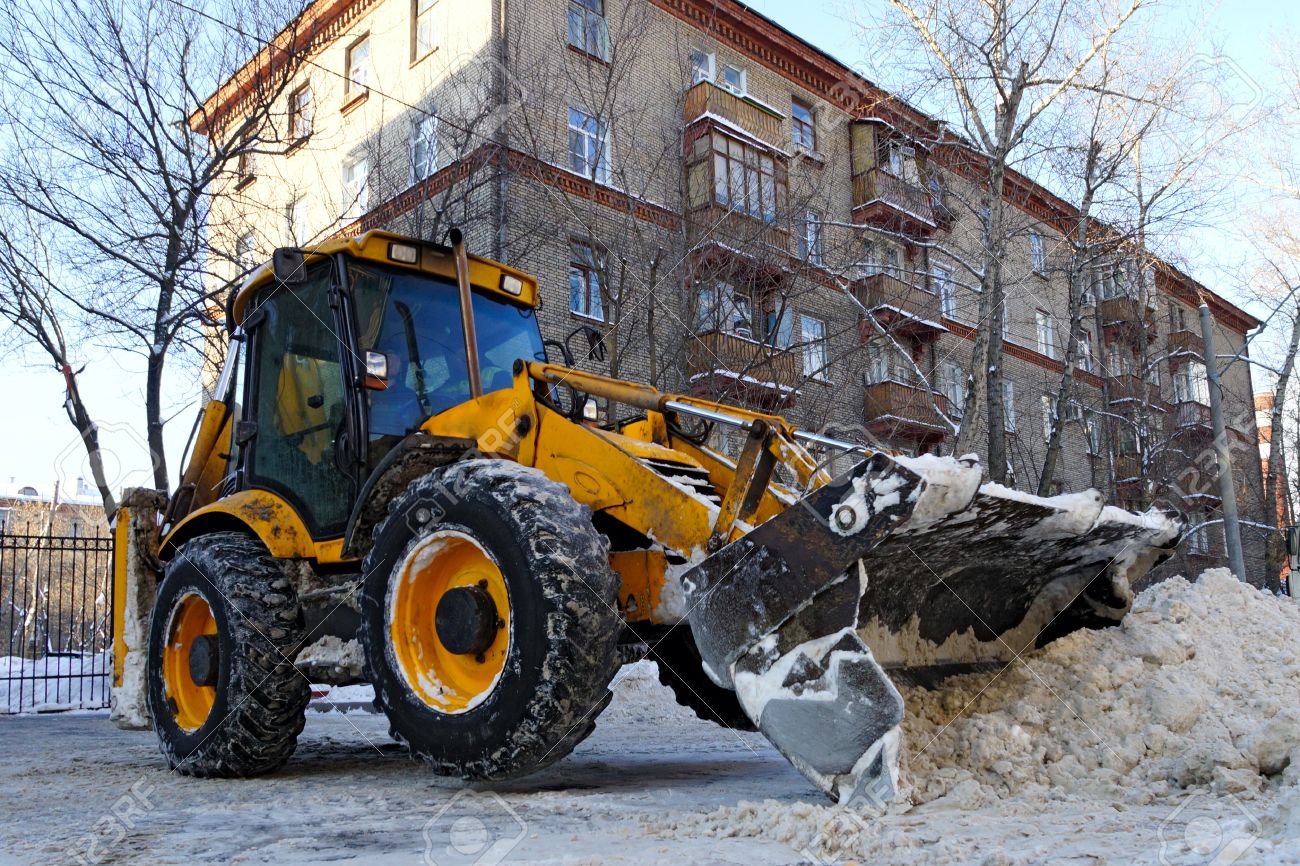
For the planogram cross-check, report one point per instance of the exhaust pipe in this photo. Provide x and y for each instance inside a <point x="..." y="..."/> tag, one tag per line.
<point x="466" y="312"/>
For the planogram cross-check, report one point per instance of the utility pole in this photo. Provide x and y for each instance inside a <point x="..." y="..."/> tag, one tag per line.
<point x="1227" y="489"/>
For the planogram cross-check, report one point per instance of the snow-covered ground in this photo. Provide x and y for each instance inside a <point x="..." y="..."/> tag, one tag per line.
<point x="54" y="682"/>
<point x="1172" y="739"/>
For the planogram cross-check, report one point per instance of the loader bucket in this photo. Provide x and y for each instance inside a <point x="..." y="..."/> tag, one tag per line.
<point x="902" y="565"/>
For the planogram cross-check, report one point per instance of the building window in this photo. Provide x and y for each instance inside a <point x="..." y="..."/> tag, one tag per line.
<point x="424" y="29"/>
<point x="778" y="327"/>
<point x="1009" y="406"/>
<point x="246" y="251"/>
<point x="723" y="309"/>
<point x="295" y="215"/>
<point x="944" y="288"/>
<point x="1049" y="416"/>
<point x="424" y="147"/>
<point x="735" y="79"/>
<point x="358" y="64"/>
<point x="810" y="238"/>
<point x="1198" y="540"/>
<point x="814" y="346"/>
<point x="702" y="65"/>
<point x="356" y="186"/>
<point x="1128" y="441"/>
<point x="300" y="114"/>
<point x="588" y="31"/>
<point x="747" y="179"/>
<point x="1093" y="429"/>
<point x="1037" y="254"/>
<point x="1085" y="353"/>
<point x="1117" y="361"/>
<point x="952" y="384"/>
<point x="803" y="130"/>
<point x="1046" y="334"/>
<point x="585" y="296"/>
<point x="246" y="163"/>
<point x="1191" y="384"/>
<point x="1153" y="373"/>
<point x="899" y="159"/>
<point x="588" y="146"/>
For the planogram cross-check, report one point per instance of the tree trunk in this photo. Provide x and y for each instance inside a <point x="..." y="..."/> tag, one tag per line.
<point x="89" y="433"/>
<point x="154" y="422"/>
<point x="1275" y="551"/>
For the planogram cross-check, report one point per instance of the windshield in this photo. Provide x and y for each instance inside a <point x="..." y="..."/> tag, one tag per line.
<point x="414" y="319"/>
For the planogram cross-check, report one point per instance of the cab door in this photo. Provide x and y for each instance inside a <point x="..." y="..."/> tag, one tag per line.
<point x="297" y="401"/>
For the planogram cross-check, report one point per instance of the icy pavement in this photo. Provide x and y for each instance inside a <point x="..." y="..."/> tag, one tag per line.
<point x="1174" y="739"/>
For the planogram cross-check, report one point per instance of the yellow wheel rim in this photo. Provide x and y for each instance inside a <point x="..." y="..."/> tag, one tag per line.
<point x="445" y="681"/>
<point x="191" y="702"/>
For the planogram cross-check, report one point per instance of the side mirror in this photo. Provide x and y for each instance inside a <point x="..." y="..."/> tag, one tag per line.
<point x="289" y="265"/>
<point x="595" y="344"/>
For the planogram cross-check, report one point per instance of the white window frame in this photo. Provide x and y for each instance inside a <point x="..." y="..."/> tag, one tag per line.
<point x="1046" y="326"/>
<point x="424" y="133"/>
<point x="1088" y="362"/>
<point x="810" y="238"/>
<point x="1037" y="253"/>
<point x="246" y="250"/>
<point x="722" y="309"/>
<point x="595" y="146"/>
<point x="424" y="29"/>
<point x="295" y="215"/>
<point x="741" y="87"/>
<point x="812" y="331"/>
<point x="703" y="65"/>
<point x="357" y="80"/>
<point x="301" y="113"/>
<point x="356" y="186"/>
<point x="796" y="124"/>
<point x="946" y="291"/>
<point x="1049" y="415"/>
<point x="952" y="384"/>
<point x="1192" y="383"/>
<point x="1008" y="406"/>
<point x="592" y="303"/>
<point x="594" y="38"/>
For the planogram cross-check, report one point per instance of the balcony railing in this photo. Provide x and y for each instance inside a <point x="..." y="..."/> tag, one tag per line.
<point x="891" y="405"/>
<point x="894" y="296"/>
<point x="738" y="230"/>
<point x="1129" y="388"/>
<point x="707" y="98"/>
<point x="1128" y="467"/>
<point x="878" y="187"/>
<point x="742" y="359"/>
<point x="1189" y="415"/>
<point x="1186" y="343"/>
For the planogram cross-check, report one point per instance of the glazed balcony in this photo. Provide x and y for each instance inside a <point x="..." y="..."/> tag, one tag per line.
<point x="730" y="362"/>
<point x="1124" y="318"/>
<point x="707" y="99"/>
<point x="896" y="409"/>
<point x="898" y="305"/>
<point x="882" y="199"/>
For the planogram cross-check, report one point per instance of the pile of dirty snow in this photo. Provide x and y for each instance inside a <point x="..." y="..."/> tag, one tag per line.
<point x="1198" y="690"/>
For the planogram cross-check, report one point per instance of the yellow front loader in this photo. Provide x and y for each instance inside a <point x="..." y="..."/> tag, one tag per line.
<point x="394" y="485"/>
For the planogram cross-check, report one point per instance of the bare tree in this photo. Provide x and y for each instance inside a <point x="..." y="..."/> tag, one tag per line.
<point x="114" y="150"/>
<point x="997" y="68"/>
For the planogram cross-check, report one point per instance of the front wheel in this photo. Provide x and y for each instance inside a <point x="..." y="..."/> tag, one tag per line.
<point x="490" y="623"/>
<point x="223" y="692"/>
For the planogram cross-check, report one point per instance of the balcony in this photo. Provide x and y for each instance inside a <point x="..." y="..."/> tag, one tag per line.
<point x="1128" y="468"/>
<point x="898" y="410"/>
<point x="882" y="199"/>
<point x="707" y="99"/>
<point x="721" y="363"/>
<point x="1127" y="388"/>
<point x="1186" y="343"/>
<point x="1121" y="320"/>
<point x="899" y="306"/>
<point x="765" y="244"/>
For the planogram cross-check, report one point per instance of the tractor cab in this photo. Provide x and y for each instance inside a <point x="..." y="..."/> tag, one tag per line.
<point x="338" y="354"/>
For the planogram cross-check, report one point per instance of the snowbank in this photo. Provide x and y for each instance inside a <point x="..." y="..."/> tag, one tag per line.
<point x="1195" y="695"/>
<point x="54" y="683"/>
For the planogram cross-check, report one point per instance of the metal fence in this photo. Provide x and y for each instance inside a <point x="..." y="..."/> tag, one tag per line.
<point x="56" y="626"/>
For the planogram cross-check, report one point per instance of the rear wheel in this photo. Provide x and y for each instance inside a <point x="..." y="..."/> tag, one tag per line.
<point x="223" y="692"/>
<point x="490" y="623"/>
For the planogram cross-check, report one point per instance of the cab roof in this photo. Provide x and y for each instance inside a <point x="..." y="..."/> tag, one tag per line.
<point x="378" y="246"/>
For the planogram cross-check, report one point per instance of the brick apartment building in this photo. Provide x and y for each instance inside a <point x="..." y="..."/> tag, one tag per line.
<point x="741" y="216"/>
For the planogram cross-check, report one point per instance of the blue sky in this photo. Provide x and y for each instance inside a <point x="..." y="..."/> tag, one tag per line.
<point x="39" y="445"/>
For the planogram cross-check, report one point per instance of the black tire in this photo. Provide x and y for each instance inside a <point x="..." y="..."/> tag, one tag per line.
<point x="260" y="699"/>
<point x="563" y="616"/>
<point x="682" y="671"/>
